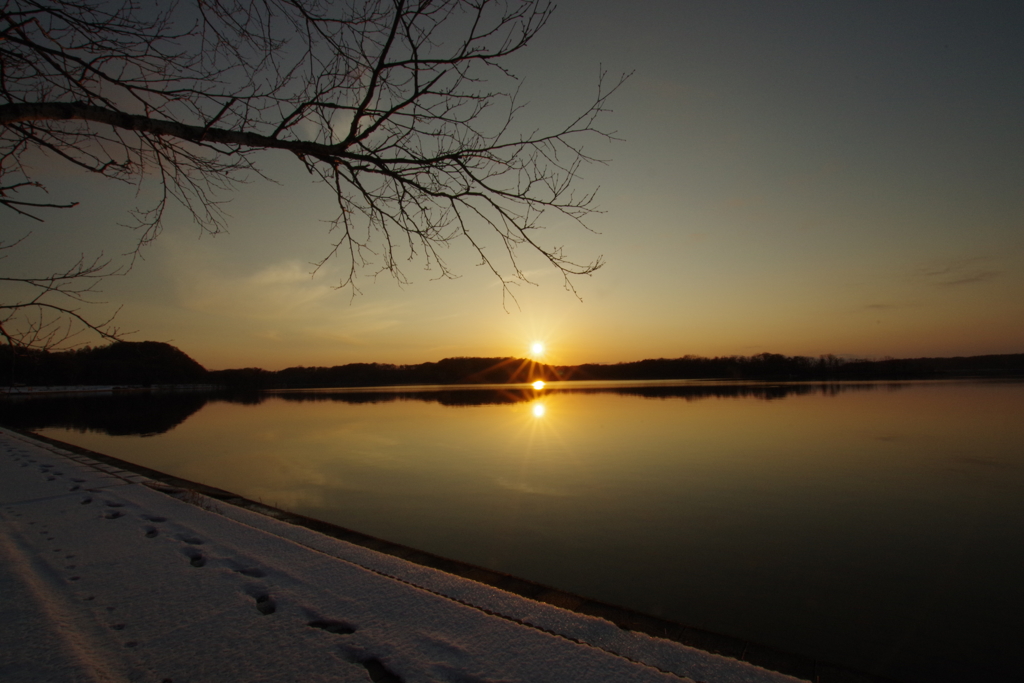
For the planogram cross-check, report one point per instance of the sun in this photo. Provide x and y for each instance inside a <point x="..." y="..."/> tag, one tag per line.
<point x="537" y="349"/>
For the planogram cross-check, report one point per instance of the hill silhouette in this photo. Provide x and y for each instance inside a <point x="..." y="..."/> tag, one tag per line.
<point x="121" y="363"/>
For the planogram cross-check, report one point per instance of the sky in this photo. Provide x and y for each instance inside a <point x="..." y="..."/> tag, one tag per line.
<point x="801" y="178"/>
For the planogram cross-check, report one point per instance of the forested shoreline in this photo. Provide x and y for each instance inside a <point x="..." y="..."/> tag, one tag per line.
<point x="157" y="363"/>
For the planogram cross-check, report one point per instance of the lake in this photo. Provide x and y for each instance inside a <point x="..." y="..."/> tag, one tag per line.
<point x="878" y="525"/>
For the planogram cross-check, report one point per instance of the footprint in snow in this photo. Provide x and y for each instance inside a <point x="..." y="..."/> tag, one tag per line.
<point x="152" y="532"/>
<point x="378" y="672"/>
<point x="374" y="667"/>
<point x="113" y="514"/>
<point x="332" y="626"/>
<point x="251" y="572"/>
<point x="113" y="505"/>
<point x="86" y="500"/>
<point x="191" y="540"/>
<point x="154" y="518"/>
<point x="196" y="558"/>
<point x="264" y="603"/>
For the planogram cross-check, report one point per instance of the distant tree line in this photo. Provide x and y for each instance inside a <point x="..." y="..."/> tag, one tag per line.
<point x="776" y="367"/>
<point x="447" y="371"/>
<point x="155" y="363"/>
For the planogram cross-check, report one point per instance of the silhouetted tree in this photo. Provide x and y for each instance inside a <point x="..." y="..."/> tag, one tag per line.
<point x="403" y="108"/>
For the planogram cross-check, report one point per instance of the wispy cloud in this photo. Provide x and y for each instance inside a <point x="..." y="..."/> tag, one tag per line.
<point x="887" y="306"/>
<point x="970" y="278"/>
<point x="525" y="487"/>
<point x="283" y="301"/>
<point x="967" y="271"/>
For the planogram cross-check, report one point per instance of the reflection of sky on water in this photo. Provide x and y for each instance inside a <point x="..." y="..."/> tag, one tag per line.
<point x="877" y="528"/>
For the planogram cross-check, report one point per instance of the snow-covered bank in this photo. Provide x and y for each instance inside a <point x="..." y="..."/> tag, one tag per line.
<point x="105" y="578"/>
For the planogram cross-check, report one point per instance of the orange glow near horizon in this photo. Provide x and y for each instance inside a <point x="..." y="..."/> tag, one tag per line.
<point x="859" y="241"/>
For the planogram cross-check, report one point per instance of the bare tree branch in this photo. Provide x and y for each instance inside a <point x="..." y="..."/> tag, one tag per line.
<point x="44" y="311"/>
<point x="400" y="107"/>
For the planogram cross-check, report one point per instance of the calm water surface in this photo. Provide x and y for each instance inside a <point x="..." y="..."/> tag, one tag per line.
<point x="876" y="526"/>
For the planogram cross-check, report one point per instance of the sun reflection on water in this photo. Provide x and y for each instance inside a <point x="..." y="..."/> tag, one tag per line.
<point x="538" y="409"/>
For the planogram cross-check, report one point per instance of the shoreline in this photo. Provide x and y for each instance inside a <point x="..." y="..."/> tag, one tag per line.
<point x="625" y="619"/>
<point x="107" y="575"/>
